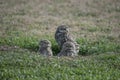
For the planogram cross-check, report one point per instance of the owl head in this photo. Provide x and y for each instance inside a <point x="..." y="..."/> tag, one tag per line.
<point x="68" y="46"/>
<point x="63" y="29"/>
<point x="45" y="43"/>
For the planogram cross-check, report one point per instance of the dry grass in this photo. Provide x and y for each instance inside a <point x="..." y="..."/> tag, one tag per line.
<point x="47" y="15"/>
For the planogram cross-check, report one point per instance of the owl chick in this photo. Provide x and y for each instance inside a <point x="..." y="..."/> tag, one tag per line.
<point x="45" y="48"/>
<point x="68" y="49"/>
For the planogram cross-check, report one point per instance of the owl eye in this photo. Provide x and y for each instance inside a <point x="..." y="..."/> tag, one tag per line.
<point x="67" y="46"/>
<point x="62" y="29"/>
<point x="47" y="43"/>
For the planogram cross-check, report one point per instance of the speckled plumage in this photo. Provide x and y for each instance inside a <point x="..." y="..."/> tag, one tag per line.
<point x="68" y="49"/>
<point x="62" y="35"/>
<point x="45" y="48"/>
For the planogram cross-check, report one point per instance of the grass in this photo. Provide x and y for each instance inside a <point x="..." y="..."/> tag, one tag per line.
<point x="94" y="24"/>
<point x="23" y="64"/>
<point x="87" y="47"/>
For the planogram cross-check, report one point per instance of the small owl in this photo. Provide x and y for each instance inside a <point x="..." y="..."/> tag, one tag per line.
<point x="45" y="48"/>
<point x="68" y="49"/>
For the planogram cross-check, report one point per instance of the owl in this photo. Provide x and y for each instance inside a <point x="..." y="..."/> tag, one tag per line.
<point x="63" y="35"/>
<point x="45" y="48"/>
<point x="68" y="49"/>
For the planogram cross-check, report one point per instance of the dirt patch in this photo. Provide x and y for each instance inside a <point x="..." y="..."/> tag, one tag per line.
<point x="8" y="48"/>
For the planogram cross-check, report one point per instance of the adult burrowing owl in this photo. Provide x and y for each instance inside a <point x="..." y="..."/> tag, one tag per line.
<point x="62" y="35"/>
<point x="45" y="48"/>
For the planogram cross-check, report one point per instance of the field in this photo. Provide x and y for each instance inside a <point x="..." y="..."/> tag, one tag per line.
<point x="94" y="24"/>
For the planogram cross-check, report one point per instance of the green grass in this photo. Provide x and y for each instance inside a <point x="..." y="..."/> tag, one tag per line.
<point x="102" y="45"/>
<point x="25" y="65"/>
<point x="87" y="47"/>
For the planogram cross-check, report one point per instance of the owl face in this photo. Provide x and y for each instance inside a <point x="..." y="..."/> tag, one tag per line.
<point x="69" y="46"/>
<point x="63" y="29"/>
<point x="45" y="43"/>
